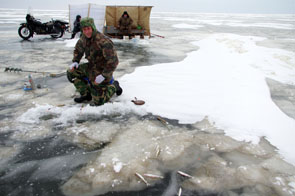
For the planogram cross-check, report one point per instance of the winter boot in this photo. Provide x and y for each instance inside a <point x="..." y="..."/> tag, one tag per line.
<point x="83" y="98"/>
<point x="119" y="90"/>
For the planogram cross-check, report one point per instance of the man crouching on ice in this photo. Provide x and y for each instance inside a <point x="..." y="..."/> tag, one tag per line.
<point x="94" y="80"/>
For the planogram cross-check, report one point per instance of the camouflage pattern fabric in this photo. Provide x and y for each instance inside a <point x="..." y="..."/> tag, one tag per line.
<point x="101" y="93"/>
<point x="102" y="59"/>
<point x="100" y="53"/>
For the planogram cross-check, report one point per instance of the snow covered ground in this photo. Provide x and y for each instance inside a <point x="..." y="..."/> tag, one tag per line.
<point x="224" y="85"/>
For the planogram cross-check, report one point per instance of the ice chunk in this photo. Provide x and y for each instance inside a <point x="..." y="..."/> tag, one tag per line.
<point x="70" y="113"/>
<point x="118" y="166"/>
<point x="90" y="136"/>
<point x="7" y="153"/>
<point x="130" y="152"/>
<point x="219" y="143"/>
<point x="277" y="165"/>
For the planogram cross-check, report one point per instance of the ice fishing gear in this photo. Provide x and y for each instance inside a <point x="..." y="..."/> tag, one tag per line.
<point x="158" y="35"/>
<point x="31" y="81"/>
<point x="27" y="87"/>
<point x="30" y="85"/>
<point x="53" y="75"/>
<point x="138" y="102"/>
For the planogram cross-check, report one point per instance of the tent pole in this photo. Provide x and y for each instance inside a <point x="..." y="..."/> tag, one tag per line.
<point x="70" y="17"/>
<point x="138" y="19"/>
<point x="88" y="10"/>
<point x="116" y="16"/>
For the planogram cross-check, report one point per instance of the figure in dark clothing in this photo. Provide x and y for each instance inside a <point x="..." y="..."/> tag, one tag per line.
<point x="125" y="23"/>
<point x="31" y="19"/>
<point x="77" y="27"/>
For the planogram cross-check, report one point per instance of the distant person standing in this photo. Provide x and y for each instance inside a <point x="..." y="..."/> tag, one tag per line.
<point x="77" y="27"/>
<point x="125" y="23"/>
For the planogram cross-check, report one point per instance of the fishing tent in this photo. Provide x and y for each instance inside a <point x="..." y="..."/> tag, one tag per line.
<point x="139" y="14"/>
<point x="107" y="17"/>
<point x="97" y="12"/>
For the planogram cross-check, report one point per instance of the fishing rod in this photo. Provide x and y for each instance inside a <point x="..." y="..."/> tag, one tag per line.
<point x="157" y="35"/>
<point x="53" y="75"/>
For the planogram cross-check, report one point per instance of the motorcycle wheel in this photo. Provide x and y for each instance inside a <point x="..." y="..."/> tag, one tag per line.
<point x="25" y="32"/>
<point x="59" y="34"/>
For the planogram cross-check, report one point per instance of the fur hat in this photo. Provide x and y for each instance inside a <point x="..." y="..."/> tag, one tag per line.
<point x="88" y="22"/>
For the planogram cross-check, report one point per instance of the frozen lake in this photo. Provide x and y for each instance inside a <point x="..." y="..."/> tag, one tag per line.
<point x="220" y="107"/>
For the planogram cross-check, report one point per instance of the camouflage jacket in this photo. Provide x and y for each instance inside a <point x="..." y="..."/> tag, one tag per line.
<point x="100" y="53"/>
<point x="125" y="21"/>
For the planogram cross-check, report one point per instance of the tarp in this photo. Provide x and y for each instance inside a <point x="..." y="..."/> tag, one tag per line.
<point x="97" y="12"/>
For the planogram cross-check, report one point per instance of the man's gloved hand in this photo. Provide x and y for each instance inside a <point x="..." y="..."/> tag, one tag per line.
<point x="74" y="65"/>
<point x="70" y="77"/>
<point x="99" y="79"/>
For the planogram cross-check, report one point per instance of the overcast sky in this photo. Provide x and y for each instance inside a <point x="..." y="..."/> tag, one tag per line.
<point x="212" y="6"/>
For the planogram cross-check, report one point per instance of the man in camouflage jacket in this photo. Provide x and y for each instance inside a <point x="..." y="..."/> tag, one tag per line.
<point x="125" y="23"/>
<point x="94" y="80"/>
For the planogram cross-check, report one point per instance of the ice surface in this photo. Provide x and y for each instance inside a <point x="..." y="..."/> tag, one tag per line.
<point x="223" y="20"/>
<point x="224" y="80"/>
<point x="134" y="150"/>
<point x="217" y="91"/>
<point x="206" y="178"/>
<point x="186" y="26"/>
<point x="7" y="153"/>
<point x="71" y="43"/>
<point x="265" y="25"/>
<point x="91" y="136"/>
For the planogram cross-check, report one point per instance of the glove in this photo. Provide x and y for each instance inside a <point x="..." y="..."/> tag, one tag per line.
<point x="70" y="77"/>
<point x="99" y="79"/>
<point x="74" y="65"/>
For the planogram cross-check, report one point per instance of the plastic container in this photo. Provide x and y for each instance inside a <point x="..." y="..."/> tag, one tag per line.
<point x="31" y="81"/>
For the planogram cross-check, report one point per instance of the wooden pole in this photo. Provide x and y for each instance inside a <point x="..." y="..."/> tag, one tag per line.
<point x="88" y="9"/>
<point x="138" y="17"/>
<point x="70" y="17"/>
<point x="116" y="24"/>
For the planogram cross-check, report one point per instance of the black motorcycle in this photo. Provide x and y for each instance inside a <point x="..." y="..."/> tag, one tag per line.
<point x="54" y="28"/>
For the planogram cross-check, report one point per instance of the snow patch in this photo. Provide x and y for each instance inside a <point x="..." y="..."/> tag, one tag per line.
<point x="71" y="43"/>
<point x="224" y="80"/>
<point x="71" y="113"/>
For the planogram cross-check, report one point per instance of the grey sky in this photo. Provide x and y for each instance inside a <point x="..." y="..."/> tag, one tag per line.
<point x="211" y="6"/>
